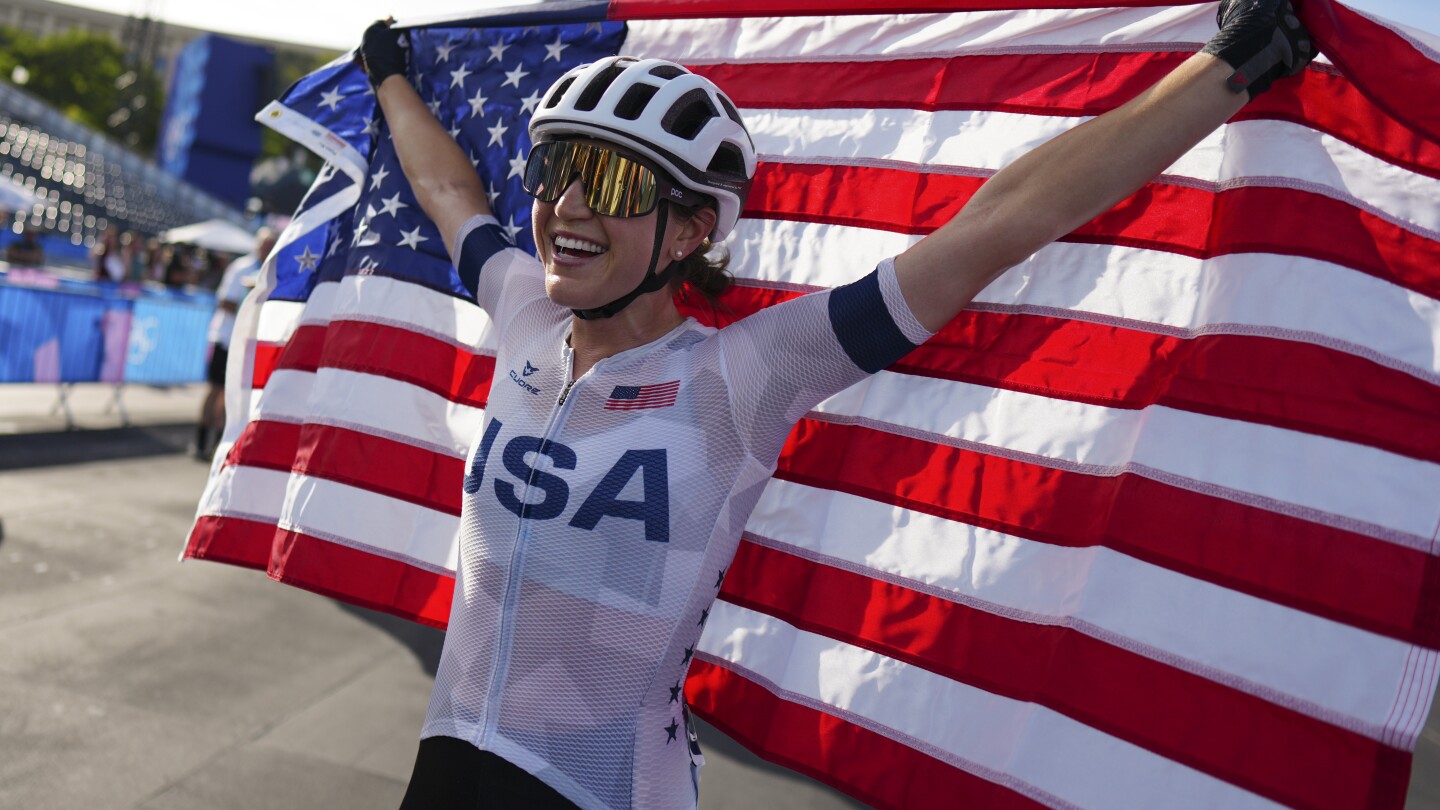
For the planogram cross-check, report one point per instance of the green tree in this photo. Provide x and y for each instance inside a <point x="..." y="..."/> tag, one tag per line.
<point x="85" y="76"/>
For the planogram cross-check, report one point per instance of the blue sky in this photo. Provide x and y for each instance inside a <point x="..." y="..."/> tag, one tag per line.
<point x="338" y="25"/>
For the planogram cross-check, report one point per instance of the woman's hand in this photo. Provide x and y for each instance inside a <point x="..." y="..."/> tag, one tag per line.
<point x="383" y="52"/>
<point x="1263" y="40"/>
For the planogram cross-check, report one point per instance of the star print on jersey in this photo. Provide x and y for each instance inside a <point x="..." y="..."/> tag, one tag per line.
<point x="704" y="615"/>
<point x="689" y="652"/>
<point x="719" y="578"/>
<point x="675" y="693"/>
<point x="670" y="730"/>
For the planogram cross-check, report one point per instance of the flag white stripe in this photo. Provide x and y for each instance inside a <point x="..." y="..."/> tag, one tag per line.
<point x="380" y="299"/>
<point x="1030" y="743"/>
<point x="1260" y="647"/>
<point x="326" y="509"/>
<point x="1261" y="152"/>
<point x="1250" y="293"/>
<point x="1362" y="488"/>
<point x="373" y="404"/>
<point x="908" y="36"/>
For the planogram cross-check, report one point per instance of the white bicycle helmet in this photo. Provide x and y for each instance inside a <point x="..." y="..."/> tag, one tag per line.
<point x="679" y="120"/>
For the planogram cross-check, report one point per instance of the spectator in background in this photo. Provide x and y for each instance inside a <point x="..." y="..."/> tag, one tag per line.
<point x="177" y="267"/>
<point x="237" y="282"/>
<point x="26" y="250"/>
<point x="109" y="257"/>
<point x="133" y="247"/>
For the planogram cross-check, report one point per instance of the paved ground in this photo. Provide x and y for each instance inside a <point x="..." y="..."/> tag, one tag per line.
<point x="130" y="681"/>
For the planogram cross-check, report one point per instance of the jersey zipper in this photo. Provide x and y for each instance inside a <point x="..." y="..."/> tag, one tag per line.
<point x="517" y="561"/>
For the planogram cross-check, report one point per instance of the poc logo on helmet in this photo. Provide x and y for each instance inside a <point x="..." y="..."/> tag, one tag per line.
<point x="677" y="194"/>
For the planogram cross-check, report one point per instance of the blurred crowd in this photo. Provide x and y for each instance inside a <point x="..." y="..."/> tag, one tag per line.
<point x="127" y="256"/>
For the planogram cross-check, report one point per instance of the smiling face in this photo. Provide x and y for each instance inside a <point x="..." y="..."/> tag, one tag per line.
<point x="591" y="260"/>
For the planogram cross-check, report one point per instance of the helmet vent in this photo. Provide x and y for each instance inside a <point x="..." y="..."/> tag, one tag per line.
<point x="689" y="114"/>
<point x="731" y="111"/>
<point x="590" y="96"/>
<point x="633" y="103"/>
<point x="667" y="71"/>
<point x="559" y="92"/>
<point x="727" y="161"/>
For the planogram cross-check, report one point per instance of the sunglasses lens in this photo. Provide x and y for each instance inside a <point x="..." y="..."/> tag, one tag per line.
<point x="615" y="185"/>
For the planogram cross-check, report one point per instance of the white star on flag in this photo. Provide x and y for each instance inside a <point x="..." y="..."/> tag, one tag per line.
<point x="554" y="49"/>
<point x="378" y="177"/>
<point x="497" y="52"/>
<point x="457" y="77"/>
<point x="434" y="107"/>
<point x="442" y="52"/>
<point x="497" y="132"/>
<point x="512" y="229"/>
<point x="307" y="260"/>
<point x="331" y="99"/>
<point x="412" y="239"/>
<point x="477" y="104"/>
<point x="455" y="132"/>
<point x="392" y="205"/>
<point x="494" y="195"/>
<point x="530" y="102"/>
<point x="517" y="165"/>
<point x="370" y="128"/>
<point x="514" y="76"/>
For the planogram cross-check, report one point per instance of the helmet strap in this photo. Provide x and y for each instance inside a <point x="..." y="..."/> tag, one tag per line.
<point x="653" y="281"/>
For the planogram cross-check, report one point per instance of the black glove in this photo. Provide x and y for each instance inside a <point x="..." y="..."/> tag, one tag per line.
<point x="1263" y="40"/>
<point x="383" y="52"/>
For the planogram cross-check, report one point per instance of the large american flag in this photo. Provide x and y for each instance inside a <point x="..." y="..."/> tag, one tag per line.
<point x="1153" y="523"/>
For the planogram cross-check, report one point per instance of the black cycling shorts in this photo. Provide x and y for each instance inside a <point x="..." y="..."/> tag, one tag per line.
<point x="451" y="773"/>
<point x="215" y="372"/>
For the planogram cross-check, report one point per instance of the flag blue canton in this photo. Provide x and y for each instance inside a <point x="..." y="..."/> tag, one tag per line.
<point x="482" y="85"/>
<point x="625" y="392"/>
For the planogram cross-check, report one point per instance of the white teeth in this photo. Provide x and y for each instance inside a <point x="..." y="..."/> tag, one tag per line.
<point x="578" y="244"/>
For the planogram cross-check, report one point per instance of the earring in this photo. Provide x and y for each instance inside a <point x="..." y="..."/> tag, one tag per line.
<point x="679" y="254"/>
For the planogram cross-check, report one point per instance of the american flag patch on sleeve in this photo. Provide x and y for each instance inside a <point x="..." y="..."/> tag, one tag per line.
<point x="636" y="397"/>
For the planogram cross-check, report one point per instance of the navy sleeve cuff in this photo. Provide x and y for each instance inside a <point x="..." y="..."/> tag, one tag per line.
<point x="479" y="240"/>
<point x="864" y="326"/>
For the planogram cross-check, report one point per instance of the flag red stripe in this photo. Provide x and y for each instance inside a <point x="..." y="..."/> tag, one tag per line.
<point x="1350" y="578"/>
<point x="1288" y="384"/>
<point x="1068" y="84"/>
<point x="267" y="357"/>
<point x="1357" y="580"/>
<point x="338" y="571"/>
<point x="394" y="352"/>
<point x="1395" y="82"/>
<point x="694" y="9"/>
<point x="374" y="463"/>
<point x="1239" y="738"/>
<point x="1161" y="216"/>
<point x="875" y="769"/>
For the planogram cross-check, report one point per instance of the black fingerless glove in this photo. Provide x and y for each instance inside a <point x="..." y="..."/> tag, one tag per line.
<point x="1263" y="40"/>
<point x="383" y="52"/>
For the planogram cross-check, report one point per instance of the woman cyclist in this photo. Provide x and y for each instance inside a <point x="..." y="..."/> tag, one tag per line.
<point x="607" y="490"/>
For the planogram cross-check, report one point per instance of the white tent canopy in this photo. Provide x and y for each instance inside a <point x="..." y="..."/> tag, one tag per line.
<point x="212" y="234"/>
<point x="15" y="197"/>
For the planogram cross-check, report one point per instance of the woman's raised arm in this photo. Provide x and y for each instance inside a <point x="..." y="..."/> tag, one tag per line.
<point x="1073" y="178"/>
<point x="442" y="177"/>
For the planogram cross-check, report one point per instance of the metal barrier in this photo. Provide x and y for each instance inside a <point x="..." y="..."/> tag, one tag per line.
<point x="64" y="331"/>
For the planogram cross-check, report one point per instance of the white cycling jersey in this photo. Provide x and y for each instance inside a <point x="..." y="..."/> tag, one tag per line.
<point x="600" y="514"/>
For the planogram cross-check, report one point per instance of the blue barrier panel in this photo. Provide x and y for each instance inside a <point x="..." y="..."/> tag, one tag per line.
<point x="167" y="340"/>
<point x="62" y="330"/>
<point x="52" y="336"/>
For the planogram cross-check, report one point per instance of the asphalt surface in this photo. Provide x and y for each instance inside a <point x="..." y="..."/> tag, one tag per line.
<point x="128" y="680"/>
